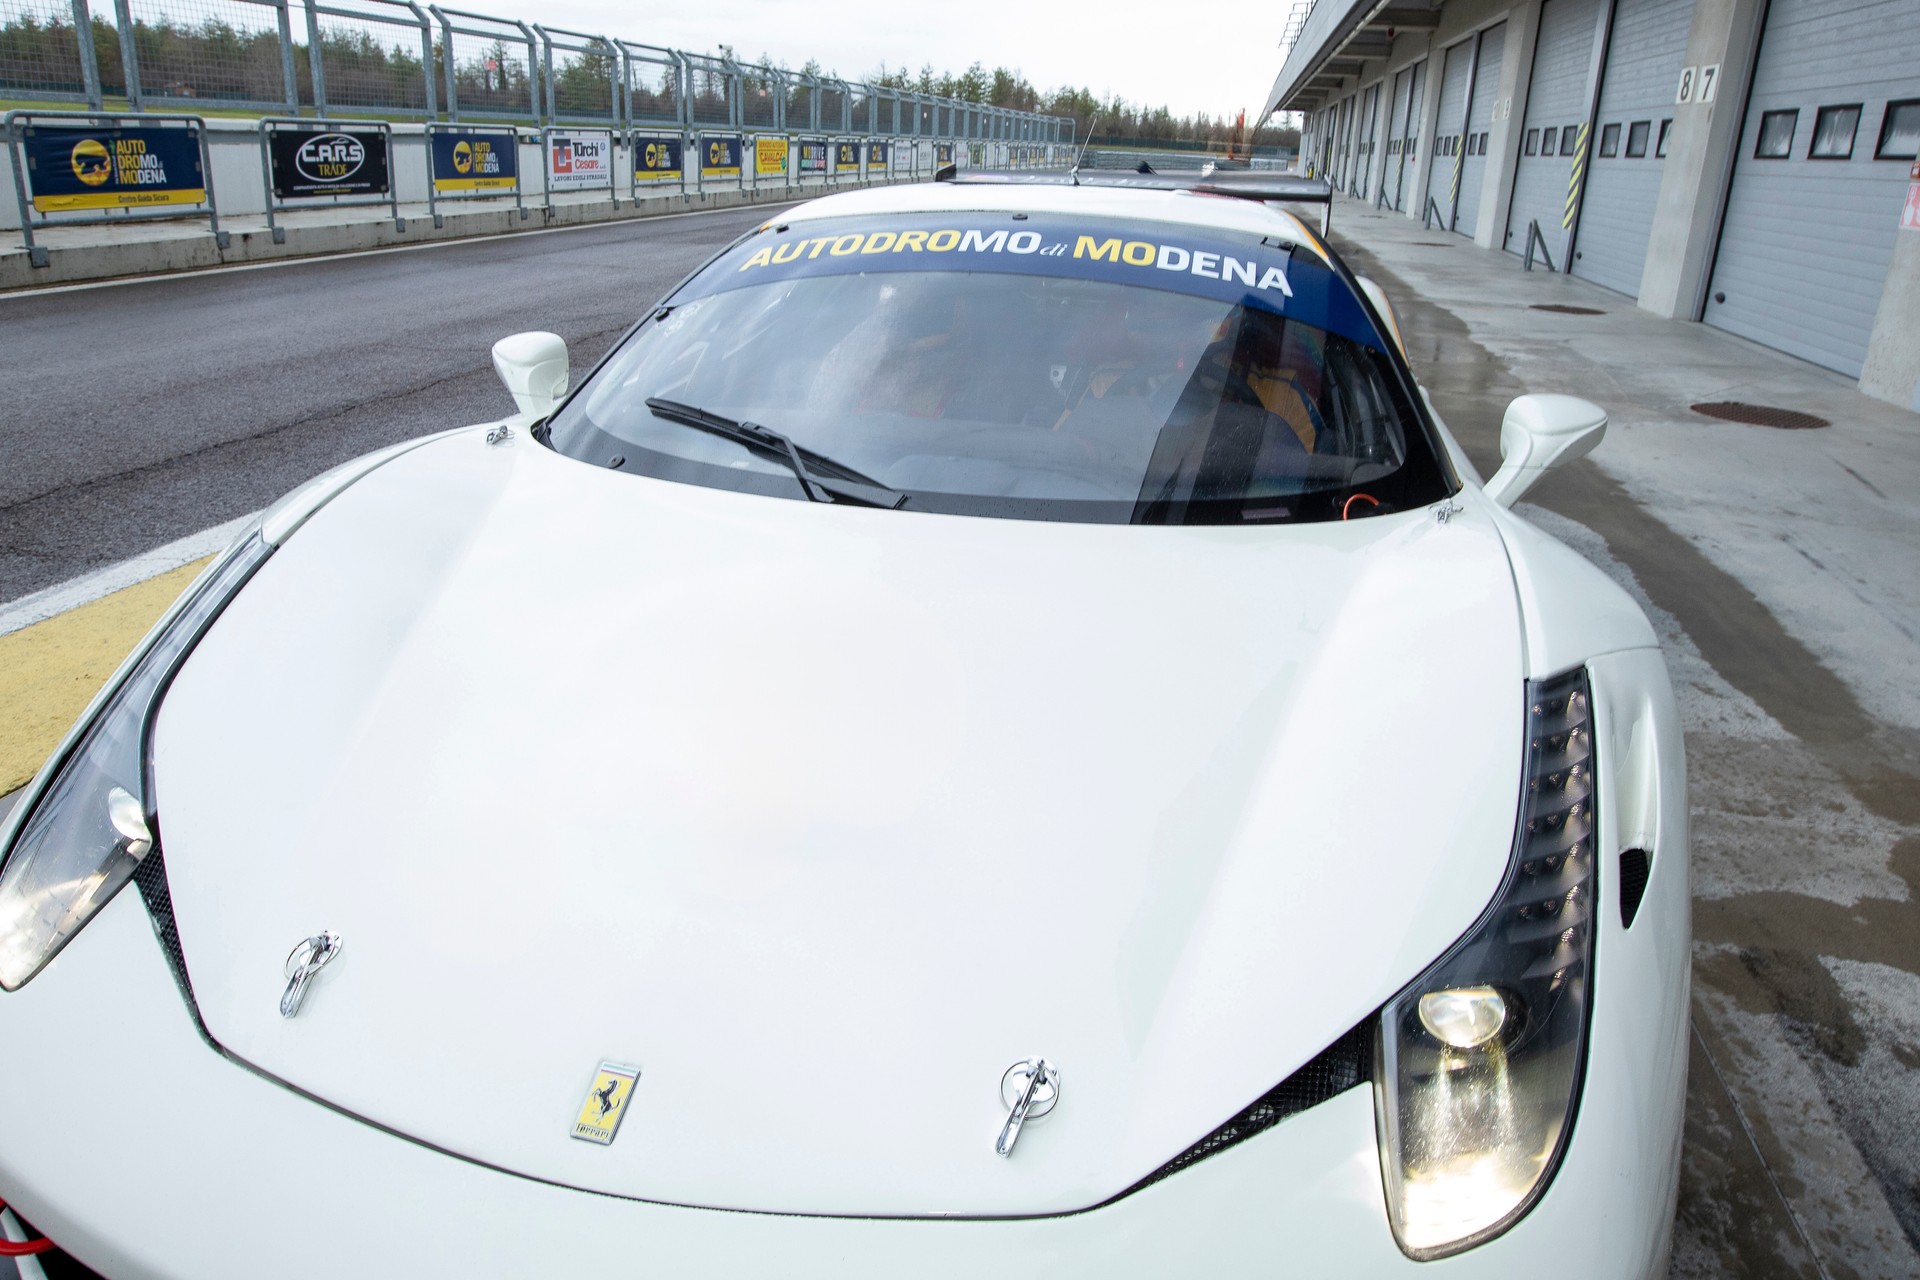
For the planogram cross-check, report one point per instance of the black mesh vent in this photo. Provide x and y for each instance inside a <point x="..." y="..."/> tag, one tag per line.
<point x="151" y="877"/>
<point x="1633" y="883"/>
<point x="1338" y="1068"/>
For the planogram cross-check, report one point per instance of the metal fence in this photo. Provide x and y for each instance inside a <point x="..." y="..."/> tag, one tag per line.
<point x="397" y="59"/>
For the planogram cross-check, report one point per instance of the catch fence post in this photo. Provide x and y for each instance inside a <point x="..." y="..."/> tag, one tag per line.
<point x="89" y="62"/>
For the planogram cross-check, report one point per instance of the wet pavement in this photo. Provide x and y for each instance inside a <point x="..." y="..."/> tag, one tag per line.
<point x="1782" y="569"/>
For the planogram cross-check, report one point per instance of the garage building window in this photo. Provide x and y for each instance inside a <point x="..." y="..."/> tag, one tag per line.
<point x="1549" y="142"/>
<point x="1569" y="139"/>
<point x="1610" y="140"/>
<point x="1637" y="138"/>
<point x="1660" y="147"/>
<point x="1833" y="131"/>
<point x="1533" y="142"/>
<point x="1900" y="132"/>
<point x="1776" y="135"/>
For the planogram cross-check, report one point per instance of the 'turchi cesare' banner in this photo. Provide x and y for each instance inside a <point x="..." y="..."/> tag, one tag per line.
<point x="719" y="157"/>
<point x="342" y="163"/>
<point x="656" y="159"/>
<point x="846" y="157"/>
<point x="877" y="153"/>
<point x="475" y="162"/>
<point x="127" y="168"/>
<point x="769" y="157"/>
<point x="813" y="159"/>
<point x="576" y="160"/>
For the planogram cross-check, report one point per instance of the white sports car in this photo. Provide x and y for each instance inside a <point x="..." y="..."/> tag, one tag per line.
<point x="995" y="734"/>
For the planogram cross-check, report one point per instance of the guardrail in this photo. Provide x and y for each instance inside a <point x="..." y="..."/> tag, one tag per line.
<point x="396" y="58"/>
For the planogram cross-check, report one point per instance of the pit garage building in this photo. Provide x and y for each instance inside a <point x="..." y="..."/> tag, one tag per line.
<point x="1745" y="163"/>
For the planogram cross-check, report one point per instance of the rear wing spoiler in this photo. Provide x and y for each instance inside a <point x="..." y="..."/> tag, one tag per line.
<point x="1241" y="184"/>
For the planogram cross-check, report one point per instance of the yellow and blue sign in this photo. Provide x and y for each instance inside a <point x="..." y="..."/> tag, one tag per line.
<point x="1242" y="272"/>
<point x="878" y="153"/>
<point x="720" y="156"/>
<point x="130" y="168"/>
<point x="846" y="157"/>
<point x="656" y="159"/>
<point x="943" y="153"/>
<point x="475" y="162"/>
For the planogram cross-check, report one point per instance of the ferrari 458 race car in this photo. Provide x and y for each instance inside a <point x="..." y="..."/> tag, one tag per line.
<point x="995" y="734"/>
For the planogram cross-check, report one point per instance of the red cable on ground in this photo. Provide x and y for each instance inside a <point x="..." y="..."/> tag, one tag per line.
<point x="21" y="1249"/>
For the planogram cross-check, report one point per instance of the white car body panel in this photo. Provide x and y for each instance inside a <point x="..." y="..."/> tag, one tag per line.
<point x="1095" y="756"/>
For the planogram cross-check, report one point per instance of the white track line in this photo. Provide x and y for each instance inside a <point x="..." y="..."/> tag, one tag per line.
<point x="315" y="258"/>
<point x="87" y="588"/>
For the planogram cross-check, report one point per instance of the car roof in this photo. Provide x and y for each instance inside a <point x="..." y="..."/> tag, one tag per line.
<point x="1178" y="208"/>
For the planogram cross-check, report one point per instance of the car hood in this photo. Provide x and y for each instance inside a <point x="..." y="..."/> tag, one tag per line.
<point x="822" y="817"/>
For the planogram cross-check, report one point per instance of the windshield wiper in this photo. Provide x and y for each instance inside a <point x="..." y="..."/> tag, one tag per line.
<point x="849" y="486"/>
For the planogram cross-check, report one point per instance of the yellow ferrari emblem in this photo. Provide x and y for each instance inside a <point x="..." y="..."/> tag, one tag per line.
<point x="606" y="1104"/>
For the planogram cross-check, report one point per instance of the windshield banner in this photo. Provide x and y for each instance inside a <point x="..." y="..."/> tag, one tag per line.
<point x="475" y="161"/>
<point x="345" y="162"/>
<point x="656" y="159"/>
<point x="719" y="157"/>
<point x="1246" y="273"/>
<point x="128" y="168"/>
<point x="577" y="160"/>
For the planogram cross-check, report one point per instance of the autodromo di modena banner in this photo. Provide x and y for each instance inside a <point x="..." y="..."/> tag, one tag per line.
<point x="656" y="159"/>
<point x="719" y="156"/>
<point x="130" y="168"/>
<point x="342" y="163"/>
<point x="475" y="162"/>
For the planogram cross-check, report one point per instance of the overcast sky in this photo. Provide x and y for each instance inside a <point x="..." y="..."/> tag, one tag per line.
<point x="1215" y="58"/>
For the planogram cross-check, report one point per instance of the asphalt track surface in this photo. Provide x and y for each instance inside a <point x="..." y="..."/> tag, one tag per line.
<point x="133" y="414"/>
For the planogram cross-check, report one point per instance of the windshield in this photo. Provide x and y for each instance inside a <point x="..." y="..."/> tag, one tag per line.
<point x="1025" y="367"/>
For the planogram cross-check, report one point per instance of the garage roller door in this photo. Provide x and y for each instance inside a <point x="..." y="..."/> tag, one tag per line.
<point x="1817" y="193"/>
<point x="1556" y="114"/>
<point x="1450" y="126"/>
<point x="1408" y="124"/>
<point x="1644" y="54"/>
<point x="1481" y="95"/>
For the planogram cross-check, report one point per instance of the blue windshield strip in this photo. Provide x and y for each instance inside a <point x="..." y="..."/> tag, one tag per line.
<point x="1153" y="257"/>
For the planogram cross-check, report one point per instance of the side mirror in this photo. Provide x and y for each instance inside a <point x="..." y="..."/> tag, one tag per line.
<point x="1538" y="434"/>
<point x="534" y="368"/>
<point x="1378" y="297"/>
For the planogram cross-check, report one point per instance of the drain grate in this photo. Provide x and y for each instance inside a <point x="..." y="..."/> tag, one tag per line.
<point x="1562" y="309"/>
<point x="1760" y="415"/>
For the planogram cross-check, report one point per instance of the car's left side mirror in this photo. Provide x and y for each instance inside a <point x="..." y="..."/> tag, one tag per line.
<point x="534" y="368"/>
<point x="1538" y="434"/>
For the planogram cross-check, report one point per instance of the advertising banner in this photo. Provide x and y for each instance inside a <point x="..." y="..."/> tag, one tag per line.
<point x="348" y="162"/>
<point x="877" y="153"/>
<point x="719" y="157"/>
<point x="943" y="153"/>
<point x="769" y="157"/>
<point x="475" y="161"/>
<point x="128" y="168"/>
<point x="577" y="160"/>
<point x="976" y="153"/>
<point x="846" y="157"/>
<point x="656" y="159"/>
<point x="813" y="159"/>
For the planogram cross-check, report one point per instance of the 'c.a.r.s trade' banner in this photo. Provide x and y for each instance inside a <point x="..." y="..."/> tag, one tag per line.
<point x="877" y="153"/>
<point x="475" y="162"/>
<point x="576" y="160"/>
<point x="769" y="157"/>
<point x="813" y="159"/>
<point x="346" y="162"/>
<point x="846" y="157"/>
<point x="656" y="159"/>
<point x="719" y="157"/>
<point x="127" y="168"/>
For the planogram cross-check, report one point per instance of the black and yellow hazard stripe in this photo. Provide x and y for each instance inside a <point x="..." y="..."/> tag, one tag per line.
<point x="1575" y="179"/>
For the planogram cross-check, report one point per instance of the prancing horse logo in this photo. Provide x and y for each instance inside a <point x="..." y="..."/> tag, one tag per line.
<point x="605" y="1097"/>
<point x="605" y="1105"/>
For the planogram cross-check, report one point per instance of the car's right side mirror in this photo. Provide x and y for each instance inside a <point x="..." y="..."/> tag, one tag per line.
<point x="534" y="368"/>
<point x="1538" y="434"/>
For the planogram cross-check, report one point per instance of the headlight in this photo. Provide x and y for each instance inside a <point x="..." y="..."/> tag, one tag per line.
<point x="94" y="820"/>
<point x="1480" y="1059"/>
